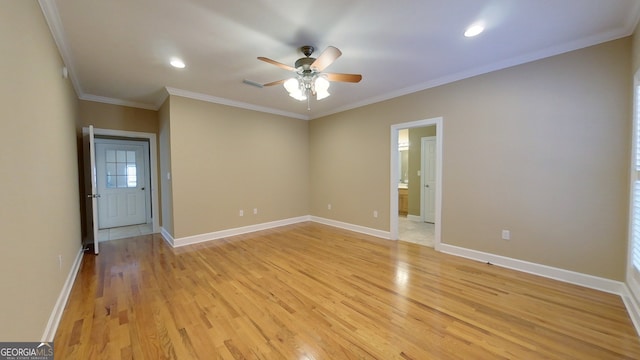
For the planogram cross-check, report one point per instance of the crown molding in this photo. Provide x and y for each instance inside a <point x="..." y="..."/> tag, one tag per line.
<point x="238" y="104"/>
<point x="113" y="101"/>
<point x="52" y="17"/>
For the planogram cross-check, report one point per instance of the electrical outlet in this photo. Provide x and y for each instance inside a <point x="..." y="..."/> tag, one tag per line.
<point x="328" y="206"/>
<point x="375" y="213"/>
<point x="241" y="212"/>
<point x="255" y="211"/>
<point x="506" y="235"/>
<point x="60" y="261"/>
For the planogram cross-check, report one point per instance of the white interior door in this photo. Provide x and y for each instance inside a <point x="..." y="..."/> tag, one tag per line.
<point x="122" y="183"/>
<point x="428" y="179"/>
<point x="90" y="187"/>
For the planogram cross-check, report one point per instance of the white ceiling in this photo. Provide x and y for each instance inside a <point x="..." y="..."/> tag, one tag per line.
<point x="118" y="51"/>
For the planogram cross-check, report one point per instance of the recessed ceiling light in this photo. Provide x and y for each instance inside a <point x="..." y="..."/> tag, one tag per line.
<point x="177" y="63"/>
<point x="473" y="30"/>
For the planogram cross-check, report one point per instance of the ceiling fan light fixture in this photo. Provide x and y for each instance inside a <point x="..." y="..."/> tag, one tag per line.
<point x="294" y="89"/>
<point x="321" y="85"/>
<point x="298" y="95"/>
<point x="292" y="85"/>
<point x="310" y="80"/>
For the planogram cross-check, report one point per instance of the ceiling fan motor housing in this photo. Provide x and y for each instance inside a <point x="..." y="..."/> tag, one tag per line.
<point x="307" y="50"/>
<point x="304" y="64"/>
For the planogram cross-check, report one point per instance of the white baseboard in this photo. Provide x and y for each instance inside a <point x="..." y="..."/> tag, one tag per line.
<point x="355" y="228"/>
<point x="632" y="302"/>
<point x="58" y="309"/>
<point x="589" y="281"/>
<point x="572" y="277"/>
<point x="188" y="240"/>
<point x="167" y="237"/>
<point x="417" y="218"/>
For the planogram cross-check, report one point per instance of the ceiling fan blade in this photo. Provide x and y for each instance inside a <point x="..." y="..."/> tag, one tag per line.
<point x="352" y="78"/>
<point x="328" y="56"/>
<point x="275" y="82"/>
<point x="252" y="83"/>
<point x="278" y="64"/>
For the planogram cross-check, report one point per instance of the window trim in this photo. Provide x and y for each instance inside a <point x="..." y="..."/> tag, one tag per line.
<point x="633" y="273"/>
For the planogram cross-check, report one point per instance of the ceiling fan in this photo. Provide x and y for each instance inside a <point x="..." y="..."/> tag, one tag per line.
<point x="309" y="79"/>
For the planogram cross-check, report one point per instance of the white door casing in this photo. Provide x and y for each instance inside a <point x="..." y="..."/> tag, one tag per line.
<point x="90" y="186"/>
<point x="428" y="179"/>
<point x="122" y="182"/>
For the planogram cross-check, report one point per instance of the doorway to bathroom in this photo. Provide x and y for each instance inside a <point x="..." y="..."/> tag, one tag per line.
<point x="416" y="153"/>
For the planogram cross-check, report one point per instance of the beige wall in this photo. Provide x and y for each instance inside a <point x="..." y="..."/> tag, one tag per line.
<point x="349" y="158"/>
<point x="116" y="117"/>
<point x="164" y="147"/>
<point x="636" y="49"/>
<point x="224" y="159"/>
<point x="540" y="149"/>
<point x="415" y="162"/>
<point x="39" y="215"/>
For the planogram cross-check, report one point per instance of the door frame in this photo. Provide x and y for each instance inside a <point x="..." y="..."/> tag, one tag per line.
<point x="393" y="175"/>
<point x="423" y="204"/>
<point x="91" y="201"/>
<point x="153" y="165"/>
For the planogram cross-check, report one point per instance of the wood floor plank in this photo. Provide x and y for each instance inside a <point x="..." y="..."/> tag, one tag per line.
<point x="310" y="291"/>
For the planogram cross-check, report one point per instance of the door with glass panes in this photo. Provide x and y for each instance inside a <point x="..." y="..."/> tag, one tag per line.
<point x="121" y="182"/>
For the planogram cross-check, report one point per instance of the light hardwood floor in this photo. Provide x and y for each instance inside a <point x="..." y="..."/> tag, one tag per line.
<point x="309" y="291"/>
